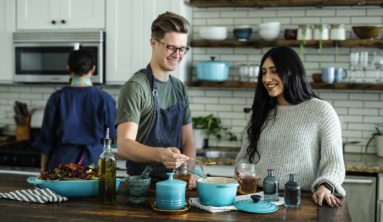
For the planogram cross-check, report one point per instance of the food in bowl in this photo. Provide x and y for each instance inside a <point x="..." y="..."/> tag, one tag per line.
<point x="70" y="171"/>
<point x="367" y="32"/>
<point x="242" y="33"/>
<point x="217" y="191"/>
<point x="213" y="32"/>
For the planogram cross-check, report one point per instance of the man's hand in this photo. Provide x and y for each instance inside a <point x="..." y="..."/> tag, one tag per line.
<point x="172" y="158"/>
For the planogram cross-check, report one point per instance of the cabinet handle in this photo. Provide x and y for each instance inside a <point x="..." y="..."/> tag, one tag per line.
<point x="53" y="22"/>
<point x="358" y="181"/>
<point x="63" y="21"/>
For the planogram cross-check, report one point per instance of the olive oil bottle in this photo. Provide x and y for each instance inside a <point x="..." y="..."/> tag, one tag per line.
<point x="107" y="173"/>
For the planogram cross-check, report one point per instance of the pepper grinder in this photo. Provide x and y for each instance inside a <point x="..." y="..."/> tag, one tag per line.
<point x="292" y="193"/>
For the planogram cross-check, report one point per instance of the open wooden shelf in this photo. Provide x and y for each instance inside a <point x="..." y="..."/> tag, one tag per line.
<point x="277" y="3"/>
<point x="351" y="43"/>
<point x="252" y="85"/>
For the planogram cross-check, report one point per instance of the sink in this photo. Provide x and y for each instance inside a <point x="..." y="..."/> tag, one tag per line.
<point x="218" y="154"/>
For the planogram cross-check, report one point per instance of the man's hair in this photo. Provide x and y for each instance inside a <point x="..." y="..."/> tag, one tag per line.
<point x="169" y="22"/>
<point x="80" y="62"/>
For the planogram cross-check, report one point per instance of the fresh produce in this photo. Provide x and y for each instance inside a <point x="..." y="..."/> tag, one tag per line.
<point x="70" y="171"/>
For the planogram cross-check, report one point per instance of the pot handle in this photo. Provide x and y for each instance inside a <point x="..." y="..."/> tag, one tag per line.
<point x="212" y="58"/>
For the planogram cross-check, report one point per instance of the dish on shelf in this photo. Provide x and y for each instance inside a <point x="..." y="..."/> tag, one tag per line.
<point x="242" y="33"/>
<point x="317" y="77"/>
<point x="269" y="30"/>
<point x="213" y="32"/>
<point x="367" y="32"/>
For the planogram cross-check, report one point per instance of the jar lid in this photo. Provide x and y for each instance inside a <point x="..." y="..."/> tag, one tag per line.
<point x="170" y="182"/>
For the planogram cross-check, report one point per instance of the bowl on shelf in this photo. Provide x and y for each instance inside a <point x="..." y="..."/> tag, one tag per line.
<point x="213" y="32"/>
<point x="269" y="30"/>
<point x="242" y="33"/>
<point x="367" y="32"/>
<point x="317" y="77"/>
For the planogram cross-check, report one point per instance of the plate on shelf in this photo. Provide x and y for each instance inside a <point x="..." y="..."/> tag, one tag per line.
<point x="173" y="212"/>
<point x="261" y="207"/>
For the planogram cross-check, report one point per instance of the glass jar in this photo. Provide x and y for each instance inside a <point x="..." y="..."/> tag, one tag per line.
<point x="321" y="32"/>
<point x="292" y="193"/>
<point x="247" y="178"/>
<point x="305" y="32"/>
<point x="182" y="173"/>
<point x="338" y="32"/>
<point x="270" y="187"/>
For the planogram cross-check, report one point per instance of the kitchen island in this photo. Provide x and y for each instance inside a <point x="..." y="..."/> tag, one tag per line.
<point x="87" y="209"/>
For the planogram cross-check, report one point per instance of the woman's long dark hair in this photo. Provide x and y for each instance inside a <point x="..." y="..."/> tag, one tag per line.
<point x="297" y="89"/>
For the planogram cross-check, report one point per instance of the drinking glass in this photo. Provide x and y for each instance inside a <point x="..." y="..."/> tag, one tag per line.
<point x="377" y="63"/>
<point x="354" y="62"/>
<point x="247" y="178"/>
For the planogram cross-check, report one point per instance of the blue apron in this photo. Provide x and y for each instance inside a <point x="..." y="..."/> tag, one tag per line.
<point x="164" y="131"/>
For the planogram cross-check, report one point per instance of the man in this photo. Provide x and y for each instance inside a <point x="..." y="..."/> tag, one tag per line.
<point x="153" y="118"/>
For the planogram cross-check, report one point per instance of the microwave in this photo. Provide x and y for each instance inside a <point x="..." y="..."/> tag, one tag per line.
<point x="41" y="57"/>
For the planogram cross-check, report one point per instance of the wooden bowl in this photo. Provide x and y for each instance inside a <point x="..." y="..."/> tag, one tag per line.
<point x="367" y="32"/>
<point x="317" y="77"/>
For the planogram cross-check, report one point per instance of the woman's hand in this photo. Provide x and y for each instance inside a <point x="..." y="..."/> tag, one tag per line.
<point x="324" y="194"/>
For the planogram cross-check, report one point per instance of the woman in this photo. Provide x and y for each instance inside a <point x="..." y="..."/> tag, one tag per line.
<point x="292" y="131"/>
<point x="75" y="118"/>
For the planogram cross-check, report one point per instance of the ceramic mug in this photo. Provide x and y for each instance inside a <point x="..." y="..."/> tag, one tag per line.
<point x="340" y="74"/>
<point x="328" y="74"/>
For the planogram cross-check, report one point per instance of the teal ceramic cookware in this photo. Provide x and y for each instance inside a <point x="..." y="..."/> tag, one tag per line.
<point x="213" y="70"/>
<point x="217" y="191"/>
<point x="170" y="194"/>
<point x="70" y="188"/>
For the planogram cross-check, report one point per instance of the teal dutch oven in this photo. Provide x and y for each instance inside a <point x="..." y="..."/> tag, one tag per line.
<point x="213" y="70"/>
<point x="217" y="191"/>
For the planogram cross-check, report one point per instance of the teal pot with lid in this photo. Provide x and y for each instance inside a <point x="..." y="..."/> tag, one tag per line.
<point x="213" y="70"/>
<point x="170" y="194"/>
<point x="217" y="191"/>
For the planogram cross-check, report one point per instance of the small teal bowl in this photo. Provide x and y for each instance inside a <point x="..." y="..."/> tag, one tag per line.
<point x="243" y="33"/>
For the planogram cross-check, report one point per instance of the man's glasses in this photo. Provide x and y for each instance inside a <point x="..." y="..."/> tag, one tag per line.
<point x="172" y="49"/>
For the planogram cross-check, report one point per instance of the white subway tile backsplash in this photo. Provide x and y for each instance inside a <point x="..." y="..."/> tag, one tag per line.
<point x="373" y="119"/>
<point x="348" y="103"/>
<point x="220" y="108"/>
<point x="321" y="13"/>
<point x="366" y="20"/>
<point x="351" y="12"/>
<point x="364" y="111"/>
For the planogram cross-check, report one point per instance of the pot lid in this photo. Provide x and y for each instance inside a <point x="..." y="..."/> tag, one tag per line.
<point x="213" y="61"/>
<point x="171" y="182"/>
<point x="261" y="207"/>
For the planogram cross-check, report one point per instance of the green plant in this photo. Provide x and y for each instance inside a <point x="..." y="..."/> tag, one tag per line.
<point x="213" y="126"/>
<point x="377" y="133"/>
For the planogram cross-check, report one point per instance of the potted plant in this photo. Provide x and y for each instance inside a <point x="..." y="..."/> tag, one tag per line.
<point x="378" y="135"/>
<point x="206" y="126"/>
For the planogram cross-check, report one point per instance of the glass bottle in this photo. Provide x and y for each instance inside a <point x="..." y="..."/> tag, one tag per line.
<point x="292" y="193"/>
<point x="270" y="187"/>
<point x="107" y="173"/>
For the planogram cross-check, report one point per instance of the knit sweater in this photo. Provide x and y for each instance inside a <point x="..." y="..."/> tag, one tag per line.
<point x="303" y="139"/>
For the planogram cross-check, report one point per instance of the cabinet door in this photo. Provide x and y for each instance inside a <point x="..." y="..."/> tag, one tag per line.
<point x="41" y="14"/>
<point x="86" y="14"/>
<point x="128" y="33"/>
<point x="7" y="26"/>
<point x="361" y="197"/>
<point x="60" y="14"/>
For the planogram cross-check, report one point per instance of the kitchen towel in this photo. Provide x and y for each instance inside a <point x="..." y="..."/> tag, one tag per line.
<point x="34" y="195"/>
<point x="195" y="202"/>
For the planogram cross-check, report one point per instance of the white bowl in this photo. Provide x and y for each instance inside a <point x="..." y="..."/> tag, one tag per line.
<point x="270" y="34"/>
<point x="270" y="25"/>
<point x="213" y="33"/>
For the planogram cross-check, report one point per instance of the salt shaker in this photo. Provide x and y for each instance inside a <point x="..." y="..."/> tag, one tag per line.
<point x="270" y="187"/>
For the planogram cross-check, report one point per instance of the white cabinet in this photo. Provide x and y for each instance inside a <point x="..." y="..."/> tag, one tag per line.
<point x="7" y="26"/>
<point x="128" y="31"/>
<point x="361" y="197"/>
<point x="60" y="14"/>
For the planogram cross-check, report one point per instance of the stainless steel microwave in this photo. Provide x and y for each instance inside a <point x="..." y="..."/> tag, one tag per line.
<point x="41" y="57"/>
